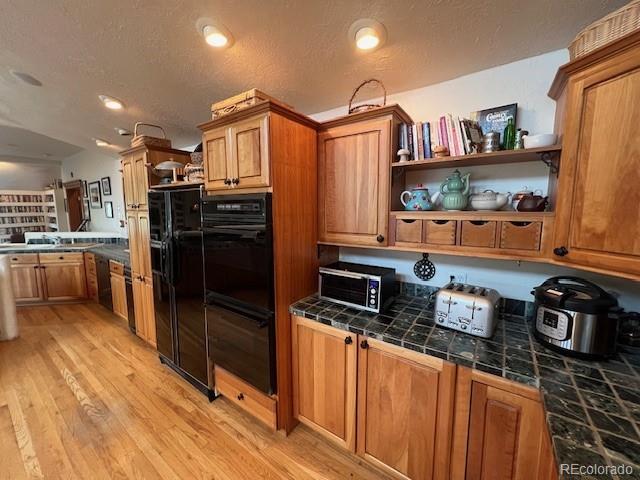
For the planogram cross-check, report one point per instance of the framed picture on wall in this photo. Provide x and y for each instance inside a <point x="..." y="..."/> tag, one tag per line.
<point x="85" y="189"/>
<point x="86" y="210"/>
<point x="95" y="198"/>
<point x="106" y="186"/>
<point x="108" y="209"/>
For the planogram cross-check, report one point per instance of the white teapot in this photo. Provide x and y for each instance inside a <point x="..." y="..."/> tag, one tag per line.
<point x="488" y="200"/>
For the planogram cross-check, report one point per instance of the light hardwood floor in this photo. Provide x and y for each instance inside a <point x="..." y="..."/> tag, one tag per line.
<point x="81" y="397"/>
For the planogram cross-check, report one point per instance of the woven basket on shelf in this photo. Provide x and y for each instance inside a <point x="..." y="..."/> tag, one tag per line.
<point x="615" y="25"/>
<point x="138" y="140"/>
<point x="367" y="106"/>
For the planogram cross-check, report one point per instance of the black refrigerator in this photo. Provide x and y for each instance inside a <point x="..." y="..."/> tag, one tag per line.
<point x="178" y="283"/>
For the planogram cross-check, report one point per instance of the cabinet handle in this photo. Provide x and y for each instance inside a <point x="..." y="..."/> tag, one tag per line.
<point x="380" y="238"/>
<point x="240" y="396"/>
<point x="36" y="266"/>
<point x="60" y="258"/>
<point x="235" y="181"/>
<point x="227" y="181"/>
<point x="348" y="341"/>
<point x="364" y="344"/>
<point x="560" y="251"/>
<point x="14" y="259"/>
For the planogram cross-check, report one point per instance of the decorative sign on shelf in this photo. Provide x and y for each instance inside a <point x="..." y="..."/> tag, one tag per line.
<point x="495" y="119"/>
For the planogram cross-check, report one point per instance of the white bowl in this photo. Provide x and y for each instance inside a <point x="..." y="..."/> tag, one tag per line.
<point x="540" y="140"/>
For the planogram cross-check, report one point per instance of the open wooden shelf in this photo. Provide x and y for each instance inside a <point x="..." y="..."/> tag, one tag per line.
<point x="492" y="158"/>
<point x="506" y="216"/>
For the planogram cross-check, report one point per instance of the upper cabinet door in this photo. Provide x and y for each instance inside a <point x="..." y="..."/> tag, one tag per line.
<point x="597" y="221"/>
<point x="353" y="171"/>
<point x="128" y="182"/>
<point x="217" y="162"/>
<point x="140" y="179"/>
<point x="250" y="153"/>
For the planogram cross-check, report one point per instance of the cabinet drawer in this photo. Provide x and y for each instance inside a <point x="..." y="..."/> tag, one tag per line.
<point x="440" y="232"/>
<point x="478" y="233"/>
<point x="408" y="231"/>
<point x="62" y="257"/>
<point x="520" y="235"/>
<point x="23" y="258"/>
<point x="116" y="267"/>
<point x="258" y="404"/>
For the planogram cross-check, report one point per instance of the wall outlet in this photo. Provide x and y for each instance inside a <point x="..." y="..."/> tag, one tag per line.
<point x="459" y="277"/>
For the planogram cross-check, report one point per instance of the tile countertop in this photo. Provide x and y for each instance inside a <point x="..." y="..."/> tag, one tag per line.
<point x="592" y="408"/>
<point x="111" y="251"/>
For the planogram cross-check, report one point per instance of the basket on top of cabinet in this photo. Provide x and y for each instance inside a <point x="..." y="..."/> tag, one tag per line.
<point x="509" y="234"/>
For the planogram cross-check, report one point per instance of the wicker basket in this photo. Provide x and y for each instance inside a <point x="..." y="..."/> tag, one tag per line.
<point x="240" y="102"/>
<point x="140" y="140"/>
<point x="615" y="25"/>
<point x="367" y="106"/>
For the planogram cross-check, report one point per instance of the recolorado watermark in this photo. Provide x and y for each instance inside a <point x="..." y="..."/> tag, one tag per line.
<point x="595" y="469"/>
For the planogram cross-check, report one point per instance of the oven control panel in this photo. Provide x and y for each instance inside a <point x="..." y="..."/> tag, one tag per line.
<point x="553" y="323"/>
<point x="373" y="293"/>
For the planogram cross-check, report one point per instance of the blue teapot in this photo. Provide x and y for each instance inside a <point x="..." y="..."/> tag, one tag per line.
<point x="419" y="199"/>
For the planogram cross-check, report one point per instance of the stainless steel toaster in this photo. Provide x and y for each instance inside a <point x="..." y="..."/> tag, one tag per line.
<point x="467" y="308"/>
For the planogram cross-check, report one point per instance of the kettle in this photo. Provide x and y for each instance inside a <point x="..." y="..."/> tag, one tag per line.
<point x="532" y="203"/>
<point x="455" y="189"/>
<point x="419" y="198"/>
<point x="488" y="200"/>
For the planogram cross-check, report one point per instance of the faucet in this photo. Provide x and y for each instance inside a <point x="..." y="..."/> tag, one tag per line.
<point x="57" y="240"/>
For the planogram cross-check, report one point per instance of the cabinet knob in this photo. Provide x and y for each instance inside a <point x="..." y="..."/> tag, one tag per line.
<point x="560" y="251"/>
<point x="235" y="181"/>
<point x="60" y="258"/>
<point x="348" y="341"/>
<point x="364" y="344"/>
<point x="380" y="238"/>
<point x="240" y="396"/>
<point x="36" y="267"/>
<point x="227" y="181"/>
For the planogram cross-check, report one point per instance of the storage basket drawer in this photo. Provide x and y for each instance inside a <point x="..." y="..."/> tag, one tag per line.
<point x="440" y="232"/>
<point x="520" y="235"/>
<point x="62" y="257"/>
<point x="23" y="258"/>
<point x="478" y="233"/>
<point x="408" y="231"/>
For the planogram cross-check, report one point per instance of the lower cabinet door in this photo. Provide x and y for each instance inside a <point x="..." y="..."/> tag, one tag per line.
<point x="144" y="311"/>
<point x="27" y="284"/>
<point x="119" y="295"/>
<point x="324" y="380"/>
<point x="405" y="410"/>
<point x="64" y="281"/>
<point x="506" y="436"/>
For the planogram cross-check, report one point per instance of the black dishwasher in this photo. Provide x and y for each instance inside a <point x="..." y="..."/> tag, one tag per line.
<point x="104" y="282"/>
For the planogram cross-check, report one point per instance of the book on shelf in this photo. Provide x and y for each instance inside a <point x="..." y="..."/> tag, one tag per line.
<point x="426" y="139"/>
<point x="417" y="138"/>
<point x="419" y="150"/>
<point x="410" y="141"/>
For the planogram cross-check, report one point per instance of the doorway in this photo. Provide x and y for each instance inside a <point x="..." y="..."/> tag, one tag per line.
<point x="74" y="193"/>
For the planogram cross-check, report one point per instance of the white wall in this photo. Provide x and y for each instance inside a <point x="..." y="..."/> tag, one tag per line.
<point x="27" y="175"/>
<point x="91" y="166"/>
<point x="525" y="82"/>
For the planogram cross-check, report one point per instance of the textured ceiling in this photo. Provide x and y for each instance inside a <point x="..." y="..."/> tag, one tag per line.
<point x="25" y="144"/>
<point x="149" y="54"/>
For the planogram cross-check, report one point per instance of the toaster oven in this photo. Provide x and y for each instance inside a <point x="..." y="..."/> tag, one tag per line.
<point x="359" y="286"/>
<point x="467" y="308"/>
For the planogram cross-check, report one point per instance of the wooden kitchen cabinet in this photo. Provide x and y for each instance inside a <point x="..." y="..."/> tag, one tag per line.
<point x="236" y="156"/>
<point x="354" y="159"/>
<point x="63" y="276"/>
<point x="324" y="376"/>
<point x="26" y="278"/>
<point x="91" y="273"/>
<point x="500" y="430"/>
<point x="118" y="289"/>
<point x="405" y="410"/>
<point x="597" y="221"/>
<point x="144" y="309"/>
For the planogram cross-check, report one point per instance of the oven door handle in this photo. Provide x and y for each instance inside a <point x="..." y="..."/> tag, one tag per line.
<point x="342" y="273"/>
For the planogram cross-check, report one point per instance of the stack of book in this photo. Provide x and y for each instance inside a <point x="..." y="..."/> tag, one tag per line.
<point x="460" y="135"/>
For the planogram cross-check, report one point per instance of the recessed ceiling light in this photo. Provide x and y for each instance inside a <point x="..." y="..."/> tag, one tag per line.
<point x="111" y="103"/>
<point x="214" y="33"/>
<point x="26" y="78"/>
<point x="101" y="143"/>
<point x="368" y="34"/>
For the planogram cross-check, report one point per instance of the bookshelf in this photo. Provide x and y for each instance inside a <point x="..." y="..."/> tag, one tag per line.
<point x="27" y="211"/>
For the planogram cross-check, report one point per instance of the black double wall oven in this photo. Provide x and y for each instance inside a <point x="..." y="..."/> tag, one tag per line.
<point x="178" y="283"/>
<point x="239" y="290"/>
